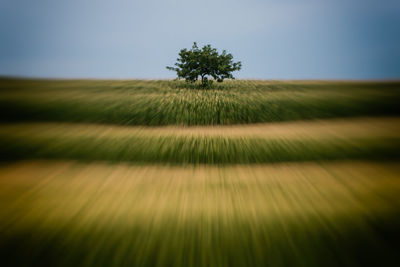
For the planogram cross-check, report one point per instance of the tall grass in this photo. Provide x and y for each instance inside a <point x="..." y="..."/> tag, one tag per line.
<point x="198" y="208"/>
<point x="68" y="214"/>
<point x="171" y="103"/>
<point x="372" y="140"/>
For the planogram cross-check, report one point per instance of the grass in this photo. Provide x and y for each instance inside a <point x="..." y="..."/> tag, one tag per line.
<point x="368" y="138"/>
<point x="250" y="173"/>
<point x="327" y="214"/>
<point x="170" y="103"/>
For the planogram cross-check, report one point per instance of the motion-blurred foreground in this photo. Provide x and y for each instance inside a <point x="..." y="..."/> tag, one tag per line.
<point x="109" y="173"/>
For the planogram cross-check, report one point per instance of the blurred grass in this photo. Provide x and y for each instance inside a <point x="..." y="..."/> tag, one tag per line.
<point x="326" y="214"/>
<point x="198" y="208"/>
<point x="172" y="103"/>
<point x="368" y="138"/>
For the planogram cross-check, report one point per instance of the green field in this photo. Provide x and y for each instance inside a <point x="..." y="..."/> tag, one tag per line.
<point x="367" y="138"/>
<point x="170" y="103"/>
<point x="159" y="173"/>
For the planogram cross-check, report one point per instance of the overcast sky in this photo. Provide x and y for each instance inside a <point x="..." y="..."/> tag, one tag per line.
<point x="274" y="39"/>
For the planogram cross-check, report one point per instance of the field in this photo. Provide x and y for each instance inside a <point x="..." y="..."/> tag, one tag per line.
<point x="170" y="103"/>
<point x="159" y="173"/>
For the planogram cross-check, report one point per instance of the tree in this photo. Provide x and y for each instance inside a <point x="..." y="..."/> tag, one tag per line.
<point x="194" y="63"/>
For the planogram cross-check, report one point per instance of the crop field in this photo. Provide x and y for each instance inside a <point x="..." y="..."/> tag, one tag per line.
<point x="160" y="173"/>
<point x="157" y="103"/>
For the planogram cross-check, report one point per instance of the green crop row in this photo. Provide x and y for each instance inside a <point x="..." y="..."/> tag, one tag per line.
<point x="171" y="103"/>
<point x="67" y="142"/>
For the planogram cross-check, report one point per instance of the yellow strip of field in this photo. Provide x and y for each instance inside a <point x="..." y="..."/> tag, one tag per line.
<point x="46" y="193"/>
<point x="310" y="214"/>
<point x="332" y="128"/>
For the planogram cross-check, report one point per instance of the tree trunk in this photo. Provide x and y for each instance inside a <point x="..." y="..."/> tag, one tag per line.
<point x="202" y="80"/>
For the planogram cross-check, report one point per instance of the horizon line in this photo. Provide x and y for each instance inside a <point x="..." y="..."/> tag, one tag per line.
<point x="27" y="77"/>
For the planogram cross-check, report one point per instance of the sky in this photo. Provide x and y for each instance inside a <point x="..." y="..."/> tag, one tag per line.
<point x="274" y="39"/>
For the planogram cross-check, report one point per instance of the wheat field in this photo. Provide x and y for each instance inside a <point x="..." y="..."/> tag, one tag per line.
<point x="159" y="173"/>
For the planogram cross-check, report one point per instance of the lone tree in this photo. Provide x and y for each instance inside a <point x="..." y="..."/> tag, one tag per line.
<point x="205" y="62"/>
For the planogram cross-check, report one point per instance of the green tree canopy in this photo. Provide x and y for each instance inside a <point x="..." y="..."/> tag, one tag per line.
<point x="204" y="63"/>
